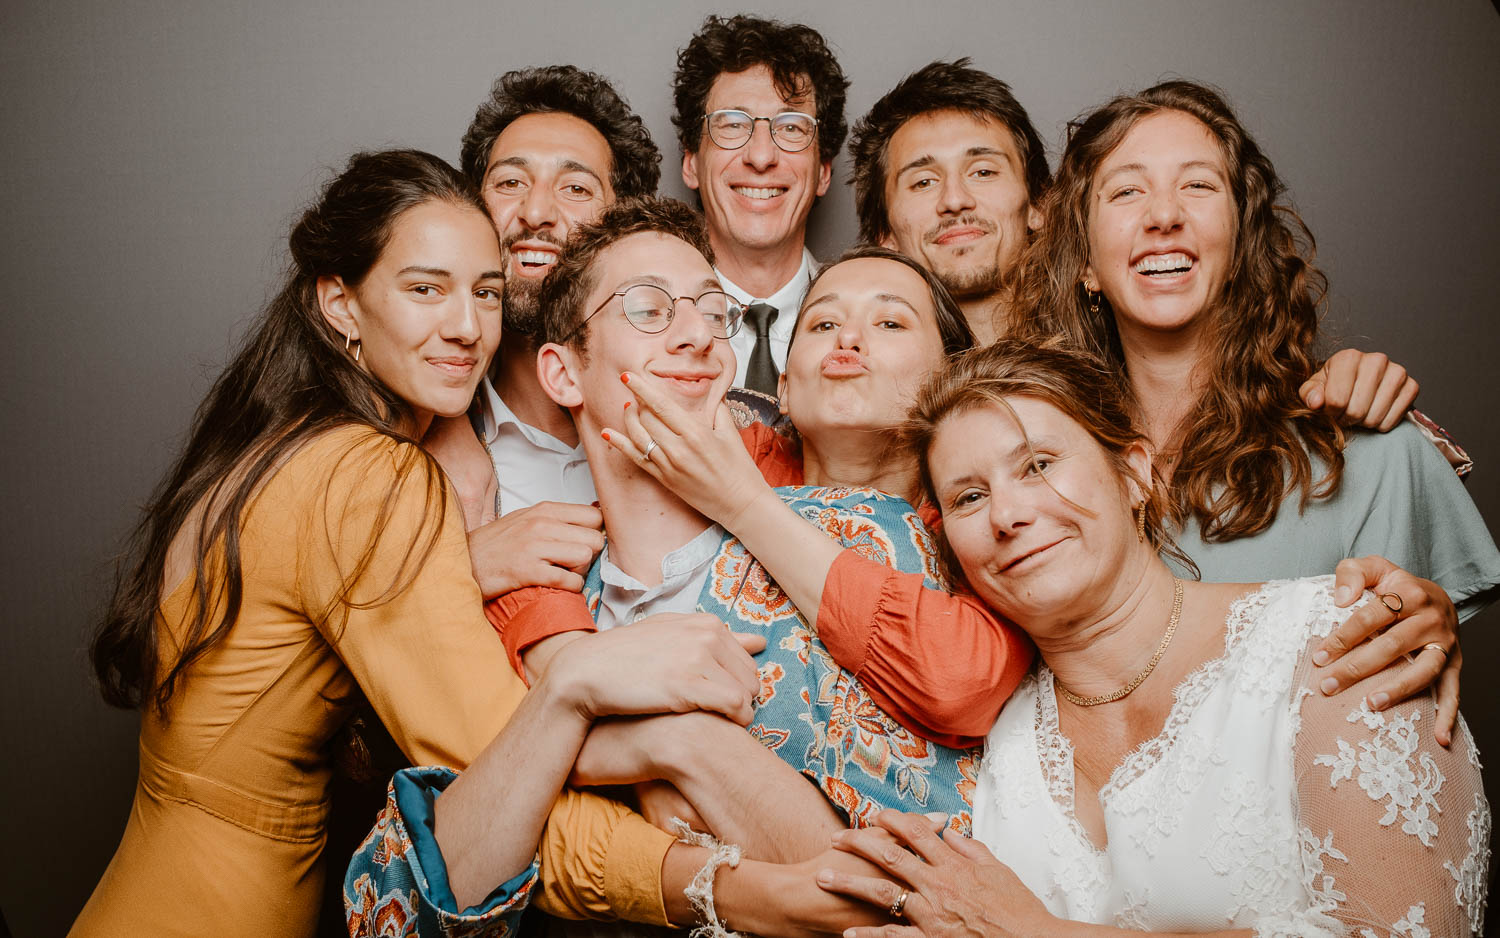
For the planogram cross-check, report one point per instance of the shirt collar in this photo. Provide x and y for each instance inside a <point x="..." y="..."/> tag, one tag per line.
<point x="787" y="300"/>
<point x="676" y="566"/>
<point x="498" y="416"/>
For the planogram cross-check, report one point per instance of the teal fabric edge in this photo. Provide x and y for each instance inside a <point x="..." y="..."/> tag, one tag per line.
<point x="417" y="791"/>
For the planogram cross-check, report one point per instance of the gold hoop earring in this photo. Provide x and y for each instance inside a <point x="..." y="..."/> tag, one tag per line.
<point x="1093" y="299"/>
<point x="1140" y="522"/>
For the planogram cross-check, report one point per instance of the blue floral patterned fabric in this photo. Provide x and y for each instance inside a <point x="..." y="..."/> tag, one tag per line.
<point x="811" y="712"/>
<point x="397" y="883"/>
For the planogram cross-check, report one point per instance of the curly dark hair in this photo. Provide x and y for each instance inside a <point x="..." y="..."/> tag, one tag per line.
<point x="635" y="161"/>
<point x="799" y="60"/>
<point x="940" y="86"/>
<point x="1248" y="441"/>
<point x="568" y="283"/>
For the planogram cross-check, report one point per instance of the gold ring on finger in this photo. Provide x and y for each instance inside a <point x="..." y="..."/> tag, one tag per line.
<point x="899" y="906"/>
<point x="1437" y="647"/>
<point x="1385" y="600"/>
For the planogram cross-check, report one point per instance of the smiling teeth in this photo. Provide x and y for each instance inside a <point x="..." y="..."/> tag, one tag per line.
<point x="750" y="193"/>
<point x="1163" y="263"/>
<point x="535" y="257"/>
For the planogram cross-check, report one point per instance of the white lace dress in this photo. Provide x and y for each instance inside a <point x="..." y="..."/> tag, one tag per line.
<point x="1262" y="804"/>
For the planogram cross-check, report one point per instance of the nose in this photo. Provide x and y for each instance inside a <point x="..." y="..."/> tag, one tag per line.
<point x="689" y="330"/>
<point x="1010" y="511"/>
<point x="760" y="152"/>
<point x="852" y="335"/>
<point x="1164" y="211"/>
<point x="955" y="198"/>
<point x="539" y="208"/>
<point x="463" y="323"/>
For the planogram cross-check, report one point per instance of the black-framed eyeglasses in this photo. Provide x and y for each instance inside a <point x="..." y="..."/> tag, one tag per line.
<point x="650" y="309"/>
<point x="792" y="131"/>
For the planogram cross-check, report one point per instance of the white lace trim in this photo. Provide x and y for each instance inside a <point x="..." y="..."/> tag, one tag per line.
<point x="1471" y="878"/>
<point x="1392" y="768"/>
<point x="1412" y="926"/>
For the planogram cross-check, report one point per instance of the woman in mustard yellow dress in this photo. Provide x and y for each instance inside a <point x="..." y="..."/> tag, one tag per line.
<point x="305" y="550"/>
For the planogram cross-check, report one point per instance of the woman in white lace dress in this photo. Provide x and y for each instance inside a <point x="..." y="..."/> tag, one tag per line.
<point x="1168" y="767"/>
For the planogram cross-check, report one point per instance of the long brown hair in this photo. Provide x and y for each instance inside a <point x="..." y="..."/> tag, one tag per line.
<point x="1244" y="445"/>
<point x="290" y="381"/>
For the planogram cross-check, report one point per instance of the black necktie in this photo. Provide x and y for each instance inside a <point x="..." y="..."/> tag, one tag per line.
<point x="761" y="373"/>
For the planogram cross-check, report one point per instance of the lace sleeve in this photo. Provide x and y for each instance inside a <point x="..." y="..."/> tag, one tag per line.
<point x="1395" y="828"/>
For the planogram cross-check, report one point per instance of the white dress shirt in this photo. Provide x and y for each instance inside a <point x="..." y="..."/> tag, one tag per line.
<point x="624" y="599"/>
<point x="787" y="300"/>
<point x="530" y="465"/>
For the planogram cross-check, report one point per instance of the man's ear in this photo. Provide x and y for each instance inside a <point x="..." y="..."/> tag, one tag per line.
<point x="1035" y="219"/>
<point x="781" y="393"/>
<point x="825" y="176"/>
<point x="557" y="370"/>
<point x="339" y="307"/>
<point x="690" y="170"/>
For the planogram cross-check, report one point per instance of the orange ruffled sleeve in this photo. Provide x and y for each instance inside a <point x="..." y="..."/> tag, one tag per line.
<point x="941" y="664"/>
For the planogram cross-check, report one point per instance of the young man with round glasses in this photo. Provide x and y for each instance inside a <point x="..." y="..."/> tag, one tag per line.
<point x="760" y="116"/>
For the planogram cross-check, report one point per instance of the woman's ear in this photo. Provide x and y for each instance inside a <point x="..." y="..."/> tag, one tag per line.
<point x="339" y="307"/>
<point x="557" y="369"/>
<point x="1138" y="458"/>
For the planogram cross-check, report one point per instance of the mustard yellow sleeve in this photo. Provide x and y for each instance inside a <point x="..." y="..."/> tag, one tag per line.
<point x="384" y="575"/>
<point x="601" y="860"/>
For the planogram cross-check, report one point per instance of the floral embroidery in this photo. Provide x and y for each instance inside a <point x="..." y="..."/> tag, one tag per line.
<point x="1412" y="926"/>
<point x="1385" y="768"/>
<point x="1471" y="877"/>
<point x="1132" y="914"/>
<point x="922" y="540"/>
<point x="1319" y="884"/>
<point x="813" y="713"/>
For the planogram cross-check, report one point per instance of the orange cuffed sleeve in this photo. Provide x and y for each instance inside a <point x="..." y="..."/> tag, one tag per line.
<point x="941" y="664"/>
<point x="528" y="615"/>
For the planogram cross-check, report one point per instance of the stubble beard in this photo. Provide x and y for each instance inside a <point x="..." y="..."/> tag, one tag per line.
<point x="523" y="308"/>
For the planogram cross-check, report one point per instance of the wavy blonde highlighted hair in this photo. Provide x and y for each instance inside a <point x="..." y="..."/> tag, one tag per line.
<point x="1247" y="443"/>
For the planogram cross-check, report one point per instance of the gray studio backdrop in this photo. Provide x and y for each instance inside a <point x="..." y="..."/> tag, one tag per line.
<point x="154" y="154"/>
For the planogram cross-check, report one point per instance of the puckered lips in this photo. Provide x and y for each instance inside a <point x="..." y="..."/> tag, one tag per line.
<point x="844" y="363"/>
<point x="1166" y="264"/>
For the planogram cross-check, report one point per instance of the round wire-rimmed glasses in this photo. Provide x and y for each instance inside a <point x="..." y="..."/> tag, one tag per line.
<point x="650" y="309"/>
<point x="792" y="131"/>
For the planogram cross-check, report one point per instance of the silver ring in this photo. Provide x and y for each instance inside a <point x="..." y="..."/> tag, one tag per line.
<point x="898" y="907"/>
<point x="649" y="447"/>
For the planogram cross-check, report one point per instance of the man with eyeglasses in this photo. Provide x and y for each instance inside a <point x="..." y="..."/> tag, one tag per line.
<point x="759" y="111"/>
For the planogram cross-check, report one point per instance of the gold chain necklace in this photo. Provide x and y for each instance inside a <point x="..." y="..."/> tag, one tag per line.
<point x="1145" y="672"/>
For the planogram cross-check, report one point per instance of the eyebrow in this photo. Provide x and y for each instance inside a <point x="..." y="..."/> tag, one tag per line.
<point x="429" y="271"/>
<point x="1036" y="443"/>
<point x="883" y="297"/>
<point x="1141" y="168"/>
<point x="928" y="159"/>
<point x="492" y="275"/>
<point x="571" y="166"/>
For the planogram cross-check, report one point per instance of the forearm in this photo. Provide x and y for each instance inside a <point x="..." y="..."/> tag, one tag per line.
<point x="744" y="792"/>
<point x="490" y="819"/>
<point x="795" y="553"/>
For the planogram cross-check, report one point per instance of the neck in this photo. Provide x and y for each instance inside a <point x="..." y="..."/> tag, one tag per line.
<point x="988" y="316"/>
<point x="1102" y="650"/>
<point x="515" y="380"/>
<point x="642" y="519"/>
<point x="758" y="271"/>
<point x="858" y="458"/>
<point x="1166" y="379"/>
